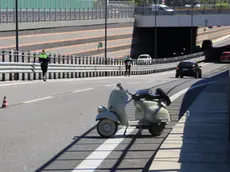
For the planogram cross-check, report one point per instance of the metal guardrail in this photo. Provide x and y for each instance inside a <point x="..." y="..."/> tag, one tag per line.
<point x="66" y="67"/>
<point x="32" y="57"/>
<point x="181" y="11"/>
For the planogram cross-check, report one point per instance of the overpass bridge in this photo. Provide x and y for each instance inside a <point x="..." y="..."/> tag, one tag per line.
<point x="157" y="31"/>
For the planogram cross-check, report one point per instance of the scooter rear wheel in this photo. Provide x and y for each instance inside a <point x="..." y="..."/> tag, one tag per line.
<point x="107" y="128"/>
<point x="157" y="130"/>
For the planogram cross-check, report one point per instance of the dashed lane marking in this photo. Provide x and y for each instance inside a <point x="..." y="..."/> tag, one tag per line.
<point x="36" y="100"/>
<point x="87" y="89"/>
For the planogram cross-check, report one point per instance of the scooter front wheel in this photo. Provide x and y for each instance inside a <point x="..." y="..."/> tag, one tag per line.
<point x="157" y="130"/>
<point x="107" y="128"/>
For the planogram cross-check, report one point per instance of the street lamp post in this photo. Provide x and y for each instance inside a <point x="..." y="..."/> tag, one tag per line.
<point x="106" y="11"/>
<point x="16" y="23"/>
<point x="191" y="46"/>
<point x="155" y="31"/>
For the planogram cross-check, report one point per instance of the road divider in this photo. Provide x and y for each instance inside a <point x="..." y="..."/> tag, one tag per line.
<point x="81" y="67"/>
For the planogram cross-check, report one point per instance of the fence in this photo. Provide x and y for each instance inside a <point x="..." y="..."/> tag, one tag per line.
<point x="64" y="10"/>
<point x="182" y="11"/>
<point x="24" y="66"/>
<point x="67" y="10"/>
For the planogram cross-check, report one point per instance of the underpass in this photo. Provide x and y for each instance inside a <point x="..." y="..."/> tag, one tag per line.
<point x="43" y="118"/>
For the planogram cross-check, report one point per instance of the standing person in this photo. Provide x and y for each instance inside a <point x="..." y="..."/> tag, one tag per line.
<point x="44" y="60"/>
<point x="128" y="62"/>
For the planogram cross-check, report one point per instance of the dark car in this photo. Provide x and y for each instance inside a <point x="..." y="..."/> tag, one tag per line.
<point x="188" y="69"/>
<point x="206" y="44"/>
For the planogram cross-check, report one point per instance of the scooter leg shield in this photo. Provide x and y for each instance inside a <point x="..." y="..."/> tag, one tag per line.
<point x="107" y="115"/>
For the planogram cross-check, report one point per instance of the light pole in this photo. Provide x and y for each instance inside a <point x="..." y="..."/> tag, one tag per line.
<point x="106" y="4"/>
<point x="191" y="46"/>
<point x="155" y="31"/>
<point x="106" y="11"/>
<point x="16" y="23"/>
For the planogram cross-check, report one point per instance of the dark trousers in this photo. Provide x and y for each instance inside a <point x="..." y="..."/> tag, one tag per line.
<point x="127" y="69"/>
<point x="44" y="68"/>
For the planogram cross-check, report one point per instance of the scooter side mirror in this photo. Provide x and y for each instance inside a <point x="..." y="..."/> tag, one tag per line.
<point x="119" y="86"/>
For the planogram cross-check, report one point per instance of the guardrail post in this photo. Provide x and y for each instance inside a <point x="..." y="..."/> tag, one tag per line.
<point x="63" y="62"/>
<point x="3" y="55"/>
<point x="83" y="62"/>
<point x="87" y="63"/>
<point x="90" y="63"/>
<point x="59" y="62"/>
<point x="75" y="62"/>
<point x="3" y="60"/>
<point x="67" y="60"/>
<point x="34" y="74"/>
<point x="54" y="61"/>
<point x="96" y="63"/>
<point x="28" y="60"/>
<point x="71" y="61"/>
<point x="79" y="62"/>
<point x="90" y="60"/>
<point x="10" y="60"/>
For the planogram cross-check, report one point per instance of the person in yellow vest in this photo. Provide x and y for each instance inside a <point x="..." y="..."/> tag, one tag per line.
<point x="44" y="61"/>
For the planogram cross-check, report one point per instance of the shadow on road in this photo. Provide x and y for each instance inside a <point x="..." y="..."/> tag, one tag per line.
<point x="201" y="148"/>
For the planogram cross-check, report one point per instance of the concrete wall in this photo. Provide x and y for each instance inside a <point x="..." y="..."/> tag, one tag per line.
<point x="182" y="20"/>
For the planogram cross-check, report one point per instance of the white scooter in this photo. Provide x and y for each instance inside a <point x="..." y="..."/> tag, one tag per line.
<point x="150" y="112"/>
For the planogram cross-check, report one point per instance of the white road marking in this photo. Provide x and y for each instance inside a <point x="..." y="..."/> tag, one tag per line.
<point x="97" y="157"/>
<point x="134" y="82"/>
<point x="87" y="89"/>
<point x="36" y="100"/>
<point x="110" y="85"/>
<point x="17" y="83"/>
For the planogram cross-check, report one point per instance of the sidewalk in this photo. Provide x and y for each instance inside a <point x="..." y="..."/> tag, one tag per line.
<point x="199" y="144"/>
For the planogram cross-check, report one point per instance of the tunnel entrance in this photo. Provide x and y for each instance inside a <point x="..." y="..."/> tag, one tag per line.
<point x="171" y="41"/>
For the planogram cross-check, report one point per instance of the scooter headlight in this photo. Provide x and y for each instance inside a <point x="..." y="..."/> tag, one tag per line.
<point x="101" y="109"/>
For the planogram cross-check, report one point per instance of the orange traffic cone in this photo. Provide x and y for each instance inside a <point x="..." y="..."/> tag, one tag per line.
<point x="5" y="103"/>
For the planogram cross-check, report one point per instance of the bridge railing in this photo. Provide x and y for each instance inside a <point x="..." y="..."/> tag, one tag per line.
<point x="54" y="10"/>
<point x="24" y="66"/>
<point x="181" y="11"/>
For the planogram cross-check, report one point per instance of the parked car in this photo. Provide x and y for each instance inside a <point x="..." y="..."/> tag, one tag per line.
<point x="144" y="59"/>
<point x="188" y="69"/>
<point x="225" y="56"/>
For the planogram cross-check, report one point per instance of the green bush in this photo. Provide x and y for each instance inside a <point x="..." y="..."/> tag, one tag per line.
<point x="222" y="5"/>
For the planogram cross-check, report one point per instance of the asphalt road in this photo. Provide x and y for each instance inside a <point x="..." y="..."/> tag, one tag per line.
<point x="45" y="117"/>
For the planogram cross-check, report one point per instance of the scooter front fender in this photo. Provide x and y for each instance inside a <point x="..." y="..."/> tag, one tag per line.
<point x="107" y="115"/>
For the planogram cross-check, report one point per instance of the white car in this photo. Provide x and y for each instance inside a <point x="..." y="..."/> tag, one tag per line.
<point x="161" y="7"/>
<point x="144" y="59"/>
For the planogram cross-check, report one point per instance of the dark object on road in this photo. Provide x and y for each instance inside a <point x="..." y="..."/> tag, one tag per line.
<point x="188" y="69"/>
<point x="207" y="44"/>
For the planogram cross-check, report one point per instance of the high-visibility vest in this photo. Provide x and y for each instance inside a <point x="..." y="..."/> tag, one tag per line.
<point x="43" y="56"/>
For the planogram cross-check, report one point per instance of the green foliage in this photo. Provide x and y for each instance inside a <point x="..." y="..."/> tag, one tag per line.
<point x="222" y="5"/>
